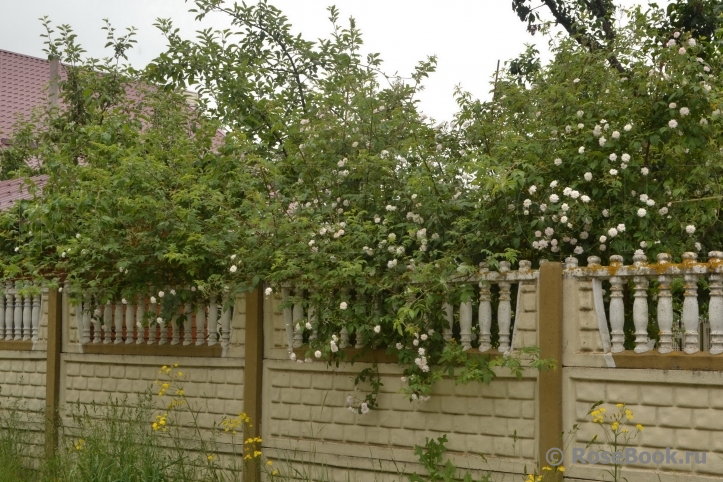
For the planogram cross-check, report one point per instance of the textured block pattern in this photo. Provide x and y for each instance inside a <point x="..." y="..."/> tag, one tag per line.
<point x="274" y="327"/>
<point x="22" y="383"/>
<point x="215" y="391"/>
<point x="590" y="340"/>
<point x="489" y="420"/>
<point x="682" y="417"/>
<point x="526" y="316"/>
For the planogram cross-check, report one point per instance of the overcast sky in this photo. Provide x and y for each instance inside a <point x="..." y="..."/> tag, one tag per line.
<point x="468" y="36"/>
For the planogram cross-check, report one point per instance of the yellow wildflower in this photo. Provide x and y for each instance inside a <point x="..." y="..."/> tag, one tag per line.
<point x="175" y="365"/>
<point x="275" y="472"/>
<point x="639" y="427"/>
<point x="561" y="468"/>
<point x="614" y="426"/>
<point x="546" y="468"/>
<point x="269" y="463"/>
<point x="211" y="457"/>
<point x="620" y="405"/>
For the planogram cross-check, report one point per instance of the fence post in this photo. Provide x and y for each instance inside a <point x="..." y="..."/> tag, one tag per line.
<point x="253" y="372"/>
<point x="52" y="373"/>
<point x="549" y="396"/>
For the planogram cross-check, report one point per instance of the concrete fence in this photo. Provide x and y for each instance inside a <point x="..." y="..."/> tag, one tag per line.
<point x="576" y="315"/>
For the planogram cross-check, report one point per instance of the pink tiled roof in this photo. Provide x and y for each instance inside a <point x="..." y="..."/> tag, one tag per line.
<point x="14" y="190"/>
<point x="23" y="86"/>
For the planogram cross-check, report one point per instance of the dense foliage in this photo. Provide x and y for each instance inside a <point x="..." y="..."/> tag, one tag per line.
<point x="328" y="178"/>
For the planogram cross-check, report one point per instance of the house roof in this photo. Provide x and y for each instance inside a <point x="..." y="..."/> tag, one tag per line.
<point x="23" y="85"/>
<point x="14" y="190"/>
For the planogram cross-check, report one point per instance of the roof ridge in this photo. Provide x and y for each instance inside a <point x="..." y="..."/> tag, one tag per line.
<point x="23" y="55"/>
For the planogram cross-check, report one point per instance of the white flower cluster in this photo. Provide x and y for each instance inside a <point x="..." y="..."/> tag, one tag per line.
<point x="415" y="217"/>
<point x="333" y="344"/>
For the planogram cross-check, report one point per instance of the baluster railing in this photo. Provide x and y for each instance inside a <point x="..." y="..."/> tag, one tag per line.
<point x="122" y="322"/>
<point x="664" y="272"/>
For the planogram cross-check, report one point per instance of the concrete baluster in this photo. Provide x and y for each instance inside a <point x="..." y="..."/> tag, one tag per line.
<point x="690" y="305"/>
<point x="665" y="308"/>
<point x="485" y="316"/>
<point x="617" y="308"/>
<point x="715" y="306"/>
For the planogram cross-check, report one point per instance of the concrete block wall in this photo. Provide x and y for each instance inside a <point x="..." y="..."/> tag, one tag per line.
<point x="22" y="380"/>
<point x="22" y="396"/>
<point x="212" y="386"/>
<point x="679" y="410"/>
<point x="306" y="417"/>
<point x="305" y="406"/>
